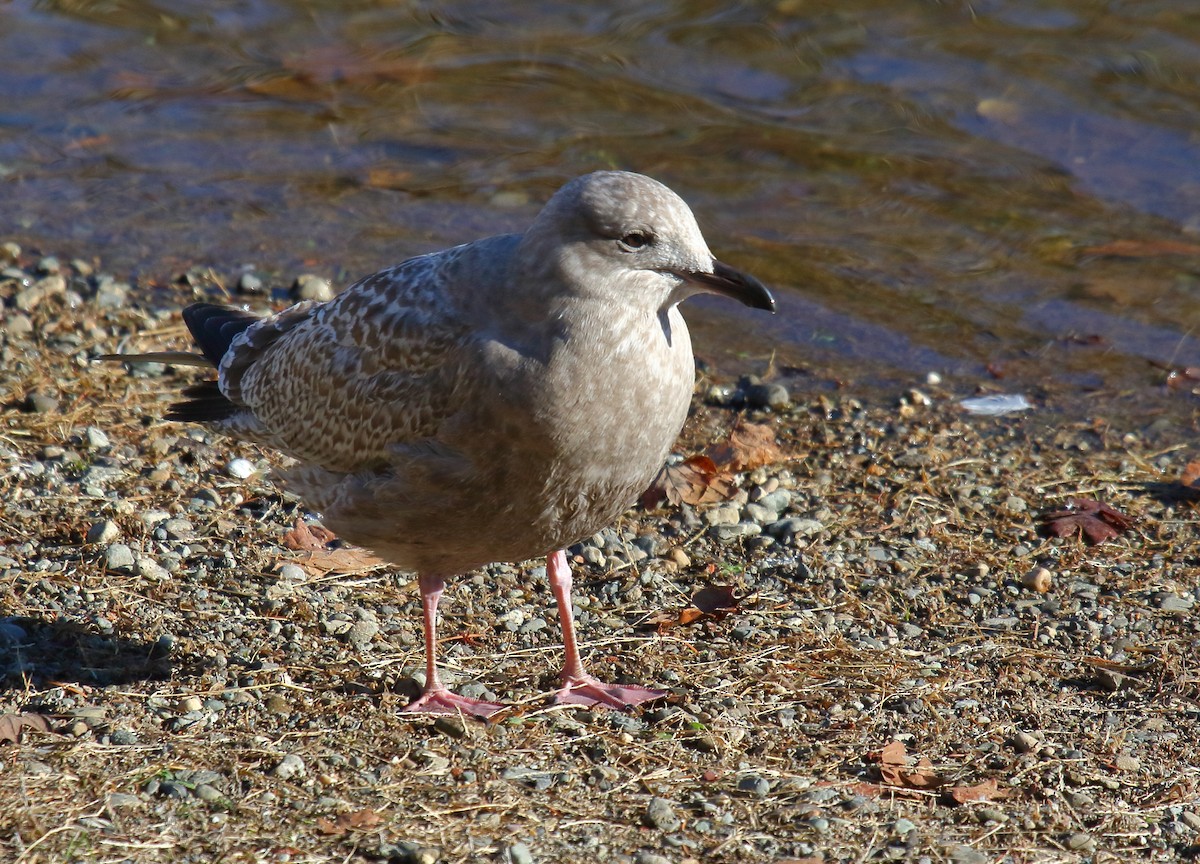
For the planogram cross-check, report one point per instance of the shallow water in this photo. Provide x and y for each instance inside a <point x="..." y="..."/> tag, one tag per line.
<point x="930" y="186"/>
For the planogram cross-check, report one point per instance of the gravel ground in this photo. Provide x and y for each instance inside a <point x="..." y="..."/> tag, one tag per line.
<point x="912" y="672"/>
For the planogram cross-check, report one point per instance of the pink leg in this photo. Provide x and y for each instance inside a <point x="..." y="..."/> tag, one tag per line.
<point x="436" y="699"/>
<point x="580" y="688"/>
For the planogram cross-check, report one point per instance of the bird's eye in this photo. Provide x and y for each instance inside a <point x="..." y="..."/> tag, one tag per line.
<point x="635" y="240"/>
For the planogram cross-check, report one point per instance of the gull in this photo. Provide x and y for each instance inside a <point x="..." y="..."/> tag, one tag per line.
<point x="492" y="402"/>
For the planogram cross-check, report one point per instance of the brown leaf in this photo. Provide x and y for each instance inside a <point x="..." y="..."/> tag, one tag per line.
<point x="1142" y="248"/>
<point x="325" y="826"/>
<point x="695" y="480"/>
<point x="384" y="177"/>
<point x="308" y="537"/>
<point x="357" y="820"/>
<point x="1190" y="478"/>
<point x="1097" y="521"/>
<point x="716" y="600"/>
<point x="894" y="770"/>
<point x="318" y="558"/>
<point x="749" y="446"/>
<point x="11" y="725"/>
<point x="988" y="790"/>
<point x="713" y="602"/>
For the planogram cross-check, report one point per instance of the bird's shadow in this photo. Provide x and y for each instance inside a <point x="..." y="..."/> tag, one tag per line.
<point x="36" y="652"/>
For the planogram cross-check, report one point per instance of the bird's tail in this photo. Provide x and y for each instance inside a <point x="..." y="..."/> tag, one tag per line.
<point x="214" y="327"/>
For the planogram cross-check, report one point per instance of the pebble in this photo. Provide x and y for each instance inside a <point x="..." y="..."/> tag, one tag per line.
<point x="292" y="573"/>
<point x="1079" y="841"/>
<point x="967" y="855"/>
<point x="757" y="786"/>
<point x="645" y="856"/>
<point x="289" y="767"/>
<point x="118" y="556"/>
<point x="120" y="800"/>
<point x="661" y="815"/>
<point x="1038" y="579"/>
<point x="407" y="852"/>
<point x="1125" y="762"/>
<point x="207" y="793"/>
<point x="518" y="853"/>
<point x="311" y="287"/>
<point x="768" y="396"/>
<point x="1023" y="742"/>
<point x="103" y="532"/>
<point x="726" y="514"/>
<point x="40" y="403"/>
<point x="362" y="631"/>
<point x="799" y="527"/>
<point x="1169" y="601"/>
<point x="17" y="325"/>
<point x="240" y="469"/>
<point x="730" y="533"/>
<point x="248" y="283"/>
<point x="148" y="568"/>
<point x="450" y="726"/>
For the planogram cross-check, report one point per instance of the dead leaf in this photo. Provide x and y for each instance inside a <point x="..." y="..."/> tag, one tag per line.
<point x="988" y="790"/>
<point x="1097" y="521"/>
<point x="708" y="478"/>
<point x="357" y="820"/>
<point x="319" y="558"/>
<point x="695" y="480"/>
<point x="308" y="537"/>
<point x="713" y="602"/>
<point x="1190" y="478"/>
<point x="384" y="177"/>
<point x="11" y="725"/>
<point x="895" y="771"/>
<point x="1142" y="248"/>
<point x="749" y="446"/>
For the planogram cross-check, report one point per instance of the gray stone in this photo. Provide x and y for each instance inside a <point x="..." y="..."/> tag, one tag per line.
<point x="17" y="325"/>
<point x="311" y="287"/>
<point x="103" y="532"/>
<point x="1168" y="601"/>
<point x="207" y="793"/>
<point x="118" y="556"/>
<point x="240" y="469"/>
<point x="768" y="396"/>
<point x="661" y="815"/>
<point x="40" y="403"/>
<point x="645" y="856"/>
<point x="795" y="526"/>
<point x="967" y="855"/>
<point x="248" y="283"/>
<point x="726" y="514"/>
<point x="290" y="767"/>
<point x="96" y="438"/>
<point x="148" y="568"/>
<point x="730" y="533"/>
<point x="362" y="631"/>
<point x="518" y="853"/>
<point x="757" y="786"/>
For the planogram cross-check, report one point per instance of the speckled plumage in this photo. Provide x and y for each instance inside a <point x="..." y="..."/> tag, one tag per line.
<point x="495" y="401"/>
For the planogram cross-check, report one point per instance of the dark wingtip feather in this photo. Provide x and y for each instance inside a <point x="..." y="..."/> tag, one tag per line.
<point x="205" y="403"/>
<point x="214" y="327"/>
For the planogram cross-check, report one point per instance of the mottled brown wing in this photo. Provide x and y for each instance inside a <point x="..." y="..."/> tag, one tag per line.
<point x="383" y="364"/>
